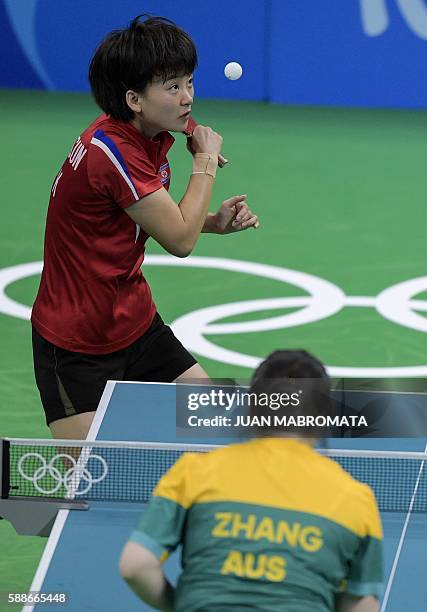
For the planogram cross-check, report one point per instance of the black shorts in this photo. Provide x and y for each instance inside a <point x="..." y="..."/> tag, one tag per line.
<point x="71" y="383"/>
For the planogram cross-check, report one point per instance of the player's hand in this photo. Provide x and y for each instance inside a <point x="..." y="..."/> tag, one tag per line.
<point x="234" y="215"/>
<point x="205" y="140"/>
<point x="222" y="161"/>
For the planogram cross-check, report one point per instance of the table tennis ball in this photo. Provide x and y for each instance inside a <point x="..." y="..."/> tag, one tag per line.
<point x="233" y="71"/>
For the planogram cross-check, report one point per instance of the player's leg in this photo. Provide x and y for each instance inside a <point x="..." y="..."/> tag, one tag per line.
<point x="195" y="372"/>
<point x="74" y="427"/>
<point x="158" y="356"/>
<point x="71" y="385"/>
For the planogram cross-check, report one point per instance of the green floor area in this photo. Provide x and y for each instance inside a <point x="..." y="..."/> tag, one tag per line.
<point x="340" y="195"/>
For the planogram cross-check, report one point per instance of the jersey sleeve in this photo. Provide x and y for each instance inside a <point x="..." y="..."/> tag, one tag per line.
<point x="365" y="575"/>
<point x="120" y="171"/>
<point x="161" y="526"/>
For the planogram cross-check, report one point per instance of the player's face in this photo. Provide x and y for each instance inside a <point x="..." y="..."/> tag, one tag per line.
<point x="166" y="105"/>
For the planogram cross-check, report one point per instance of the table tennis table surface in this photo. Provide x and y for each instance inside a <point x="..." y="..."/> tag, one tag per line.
<point x="83" y="549"/>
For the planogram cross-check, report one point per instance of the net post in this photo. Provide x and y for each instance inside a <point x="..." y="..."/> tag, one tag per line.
<point x="4" y="469"/>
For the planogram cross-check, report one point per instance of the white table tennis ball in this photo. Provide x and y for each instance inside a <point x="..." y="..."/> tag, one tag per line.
<point x="233" y="71"/>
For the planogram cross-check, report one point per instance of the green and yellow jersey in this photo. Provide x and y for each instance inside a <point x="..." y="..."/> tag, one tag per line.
<point x="269" y="525"/>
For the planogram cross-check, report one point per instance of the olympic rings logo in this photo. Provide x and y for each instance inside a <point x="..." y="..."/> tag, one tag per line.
<point x="71" y="480"/>
<point x="396" y="304"/>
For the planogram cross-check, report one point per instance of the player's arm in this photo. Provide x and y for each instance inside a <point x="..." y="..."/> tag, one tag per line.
<point x="364" y="580"/>
<point x="144" y="574"/>
<point x="234" y="214"/>
<point x="159" y="532"/>
<point x="177" y="228"/>
<point x="352" y="603"/>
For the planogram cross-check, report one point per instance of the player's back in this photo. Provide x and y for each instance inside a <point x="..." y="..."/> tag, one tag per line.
<point x="273" y="525"/>
<point x="93" y="297"/>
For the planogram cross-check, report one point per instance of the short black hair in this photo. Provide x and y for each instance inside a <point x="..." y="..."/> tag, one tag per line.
<point x="290" y="372"/>
<point x="132" y="58"/>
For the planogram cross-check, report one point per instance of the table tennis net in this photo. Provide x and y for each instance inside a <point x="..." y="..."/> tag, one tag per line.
<point x="128" y="472"/>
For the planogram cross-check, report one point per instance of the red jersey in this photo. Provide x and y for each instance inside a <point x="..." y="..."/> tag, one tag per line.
<point x="93" y="297"/>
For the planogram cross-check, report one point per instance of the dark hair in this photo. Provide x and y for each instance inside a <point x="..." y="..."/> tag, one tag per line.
<point x="133" y="57"/>
<point x="293" y="373"/>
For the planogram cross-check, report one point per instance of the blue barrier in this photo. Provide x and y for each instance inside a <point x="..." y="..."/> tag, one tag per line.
<point x="349" y="53"/>
<point x="334" y="52"/>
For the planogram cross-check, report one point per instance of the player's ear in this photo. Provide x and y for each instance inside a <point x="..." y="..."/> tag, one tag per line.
<point x="134" y="101"/>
